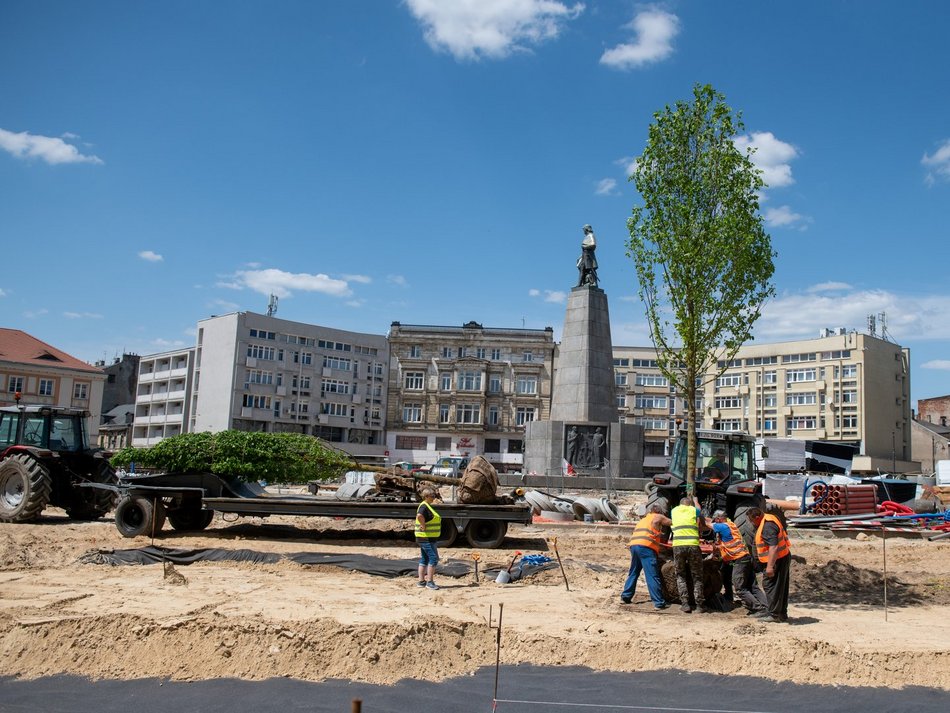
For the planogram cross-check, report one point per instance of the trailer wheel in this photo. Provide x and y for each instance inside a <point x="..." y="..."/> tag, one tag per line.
<point x="25" y="486"/>
<point x="448" y="535"/>
<point x="190" y="516"/>
<point x="135" y="515"/>
<point x="486" y="534"/>
<point x="742" y="521"/>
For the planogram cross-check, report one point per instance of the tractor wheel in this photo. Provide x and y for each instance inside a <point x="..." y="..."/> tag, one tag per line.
<point x="93" y="503"/>
<point x="486" y="534"/>
<point x="135" y="515"/>
<point x="25" y="486"/>
<point x="190" y="516"/>
<point x="742" y="521"/>
<point x="659" y="497"/>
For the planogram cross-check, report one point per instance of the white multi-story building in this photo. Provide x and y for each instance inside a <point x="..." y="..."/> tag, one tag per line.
<point x="162" y="396"/>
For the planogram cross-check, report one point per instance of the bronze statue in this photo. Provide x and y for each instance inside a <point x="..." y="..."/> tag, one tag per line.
<point x="587" y="262"/>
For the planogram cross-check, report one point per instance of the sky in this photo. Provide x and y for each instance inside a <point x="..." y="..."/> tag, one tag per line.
<point x="435" y="161"/>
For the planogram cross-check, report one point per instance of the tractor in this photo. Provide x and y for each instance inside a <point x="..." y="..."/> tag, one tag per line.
<point x="44" y="460"/>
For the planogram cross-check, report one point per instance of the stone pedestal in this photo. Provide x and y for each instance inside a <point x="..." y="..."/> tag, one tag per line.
<point x="546" y="449"/>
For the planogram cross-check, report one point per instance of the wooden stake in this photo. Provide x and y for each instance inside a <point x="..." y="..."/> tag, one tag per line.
<point x="357" y="706"/>
<point x="884" y="548"/>
<point x="559" y="564"/>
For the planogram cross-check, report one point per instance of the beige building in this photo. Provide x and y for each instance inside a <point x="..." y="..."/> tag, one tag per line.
<point x="843" y="386"/>
<point x="466" y="390"/>
<point x="41" y="374"/>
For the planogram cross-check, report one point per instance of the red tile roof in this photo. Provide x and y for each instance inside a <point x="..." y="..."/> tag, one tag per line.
<point x="19" y="347"/>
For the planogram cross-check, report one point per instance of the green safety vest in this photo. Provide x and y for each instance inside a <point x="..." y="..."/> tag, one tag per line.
<point x="433" y="527"/>
<point x="685" y="529"/>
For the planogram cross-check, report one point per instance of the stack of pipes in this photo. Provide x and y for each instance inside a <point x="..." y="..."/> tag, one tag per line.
<point x="844" y="499"/>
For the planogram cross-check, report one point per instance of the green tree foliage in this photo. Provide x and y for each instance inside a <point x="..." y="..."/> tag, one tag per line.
<point x="703" y="258"/>
<point x="250" y="456"/>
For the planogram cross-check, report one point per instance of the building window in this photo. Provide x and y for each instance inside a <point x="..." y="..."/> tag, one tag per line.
<point x="652" y="424"/>
<point x="650" y="401"/>
<point x="334" y="386"/>
<point x="256" y="351"/>
<point x="469" y="381"/>
<point x="849" y="396"/>
<point x="492" y="415"/>
<point x="759" y="361"/>
<point x="415" y="351"/>
<point x="798" y="375"/>
<point x="496" y="354"/>
<point x="413" y="380"/>
<point x="494" y="384"/>
<point x="523" y="414"/>
<point x="802" y="423"/>
<point x="651" y="380"/>
<point x="729" y="380"/>
<point x="804" y="399"/>
<point x="46" y="387"/>
<point x="80" y="390"/>
<point x="770" y="400"/>
<point x="621" y="401"/>
<point x="332" y="409"/>
<point x="722" y="364"/>
<point x="728" y="402"/>
<point x="515" y="445"/>
<point x="837" y="354"/>
<point x="526" y="385"/>
<point x="849" y="421"/>
<point x="620" y="379"/>
<point x="257" y="401"/>
<point x="412" y="413"/>
<point x="621" y="362"/>
<point x="445" y="381"/>
<point x="257" y="376"/>
<point x="770" y="377"/>
<point x="443" y="413"/>
<point x="493" y="445"/>
<point x="849" y="371"/>
<point x="480" y="352"/>
<point x="527" y="356"/>
<point x="446" y="352"/>
<point x="336" y="363"/>
<point x="727" y="424"/>
<point x="468" y="413"/>
<point x="769" y="423"/>
<point x="792" y="358"/>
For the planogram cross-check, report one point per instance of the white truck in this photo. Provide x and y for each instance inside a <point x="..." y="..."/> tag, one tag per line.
<point x="450" y="466"/>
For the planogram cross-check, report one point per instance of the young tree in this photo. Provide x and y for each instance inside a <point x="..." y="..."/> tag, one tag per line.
<point x="703" y="259"/>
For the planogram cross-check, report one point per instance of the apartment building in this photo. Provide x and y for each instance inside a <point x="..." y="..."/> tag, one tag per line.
<point x="163" y="396"/>
<point x="41" y="374"/>
<point x="843" y="386"/>
<point x="466" y="390"/>
<point x="254" y="372"/>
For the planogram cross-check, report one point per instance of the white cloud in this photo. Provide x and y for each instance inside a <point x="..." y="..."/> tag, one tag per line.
<point x="2" y="292"/>
<point x="829" y="287"/>
<point x="939" y="162"/>
<point x="771" y="156"/>
<point x="655" y="30"/>
<point x="802" y="315"/>
<point x="280" y="283"/>
<point x="397" y="280"/>
<point x="164" y="345"/>
<point x="34" y="313"/>
<point x="783" y="216"/>
<point x="355" y="303"/>
<point x="82" y="315"/>
<point x="150" y="256"/>
<point x="51" y="149"/>
<point x="940" y="364"/>
<point x="473" y="29"/>
<point x="362" y="279"/>
<point x="555" y="296"/>
<point x="606" y="187"/>
<point x="224" y="305"/>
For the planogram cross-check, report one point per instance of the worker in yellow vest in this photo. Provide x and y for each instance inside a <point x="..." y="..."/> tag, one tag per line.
<point x="644" y="548"/>
<point x="687" y="557"/>
<point x="428" y="531"/>
<point x="774" y="553"/>
<point x="737" y="567"/>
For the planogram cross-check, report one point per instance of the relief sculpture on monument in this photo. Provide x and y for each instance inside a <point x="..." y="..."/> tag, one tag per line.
<point x="584" y="446"/>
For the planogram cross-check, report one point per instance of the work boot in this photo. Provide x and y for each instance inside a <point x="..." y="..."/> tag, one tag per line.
<point x="685" y="608"/>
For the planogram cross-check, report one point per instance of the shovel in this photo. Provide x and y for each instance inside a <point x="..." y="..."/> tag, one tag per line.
<point x="504" y="577"/>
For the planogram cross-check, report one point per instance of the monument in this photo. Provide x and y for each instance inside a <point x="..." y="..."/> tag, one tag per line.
<point x="584" y="429"/>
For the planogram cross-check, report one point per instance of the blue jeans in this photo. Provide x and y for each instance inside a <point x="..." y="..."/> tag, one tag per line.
<point x="644" y="559"/>
<point x="429" y="554"/>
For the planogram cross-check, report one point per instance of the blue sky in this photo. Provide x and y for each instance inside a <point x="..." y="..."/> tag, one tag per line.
<point x="433" y="162"/>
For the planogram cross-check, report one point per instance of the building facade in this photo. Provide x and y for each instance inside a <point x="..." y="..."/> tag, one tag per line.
<point x="466" y="390"/>
<point x="163" y="396"/>
<point x="843" y="386"/>
<point x="40" y="374"/>
<point x="254" y="372"/>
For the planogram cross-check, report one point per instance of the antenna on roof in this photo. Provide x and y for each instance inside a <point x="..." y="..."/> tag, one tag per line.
<point x="872" y="325"/>
<point x="272" y="306"/>
<point x="882" y="320"/>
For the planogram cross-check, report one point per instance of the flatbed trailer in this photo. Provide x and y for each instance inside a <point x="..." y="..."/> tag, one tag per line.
<point x="189" y="500"/>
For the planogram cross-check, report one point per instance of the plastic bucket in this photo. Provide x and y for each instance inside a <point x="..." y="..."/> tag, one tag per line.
<point x="503" y="577"/>
<point x="588" y="517"/>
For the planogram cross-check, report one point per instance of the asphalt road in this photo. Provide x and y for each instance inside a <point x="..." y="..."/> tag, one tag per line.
<point x="521" y="689"/>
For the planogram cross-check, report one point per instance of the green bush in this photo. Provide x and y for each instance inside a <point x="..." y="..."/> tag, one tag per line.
<point x="249" y="456"/>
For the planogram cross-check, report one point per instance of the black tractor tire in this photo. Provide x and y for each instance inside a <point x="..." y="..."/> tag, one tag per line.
<point x="189" y="516"/>
<point x="135" y="516"/>
<point x="486" y="534"/>
<point x="448" y="535"/>
<point x="741" y="519"/>
<point x="661" y="498"/>
<point x="93" y="503"/>
<point x="25" y="487"/>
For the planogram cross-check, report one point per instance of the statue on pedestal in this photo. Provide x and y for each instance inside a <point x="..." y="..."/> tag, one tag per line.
<point x="587" y="262"/>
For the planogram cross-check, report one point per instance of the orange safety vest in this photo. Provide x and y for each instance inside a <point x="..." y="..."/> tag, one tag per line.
<point x="734" y="549"/>
<point x="762" y="549"/>
<point x="646" y="533"/>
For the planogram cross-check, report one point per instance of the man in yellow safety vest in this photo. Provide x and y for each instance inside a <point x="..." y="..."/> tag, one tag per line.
<point x="687" y="557"/>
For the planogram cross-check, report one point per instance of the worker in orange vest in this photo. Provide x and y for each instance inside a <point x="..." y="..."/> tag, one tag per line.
<point x="737" y="567"/>
<point x="644" y="548"/>
<point x="775" y="554"/>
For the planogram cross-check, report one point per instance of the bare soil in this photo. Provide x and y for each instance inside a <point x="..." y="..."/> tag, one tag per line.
<point x="225" y="619"/>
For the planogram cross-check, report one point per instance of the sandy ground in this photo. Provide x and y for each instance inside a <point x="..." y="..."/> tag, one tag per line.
<point x="221" y="619"/>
